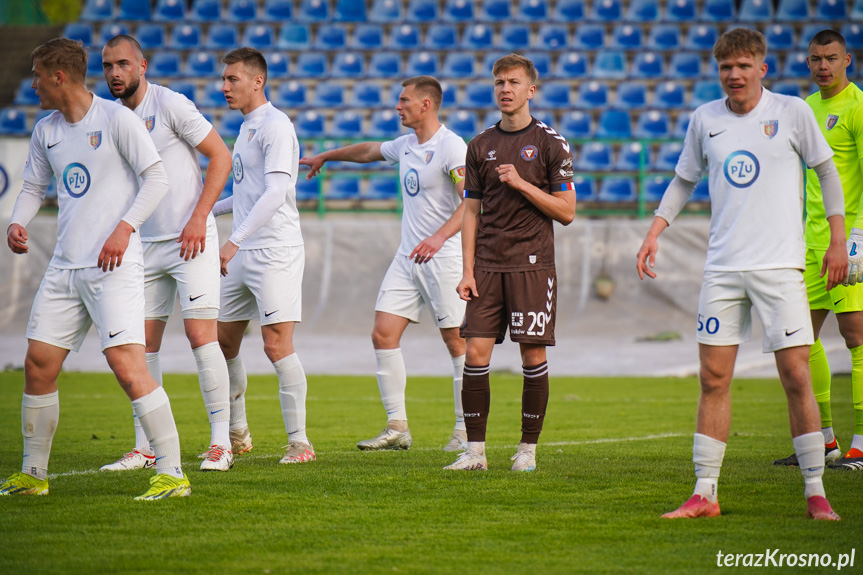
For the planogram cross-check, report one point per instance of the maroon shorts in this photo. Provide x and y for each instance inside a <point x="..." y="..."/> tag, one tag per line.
<point x="524" y="301"/>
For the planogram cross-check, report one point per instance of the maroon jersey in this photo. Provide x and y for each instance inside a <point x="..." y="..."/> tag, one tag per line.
<point x="513" y="235"/>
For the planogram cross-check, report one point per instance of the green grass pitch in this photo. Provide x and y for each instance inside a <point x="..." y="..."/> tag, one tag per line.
<point x="614" y="456"/>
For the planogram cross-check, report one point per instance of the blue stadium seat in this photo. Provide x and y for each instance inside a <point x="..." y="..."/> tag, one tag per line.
<point x="367" y="95"/>
<point x="164" y="64"/>
<point x="423" y="64"/>
<point x="441" y="37"/>
<point x="718" y="11"/>
<point x="348" y="65"/>
<point x="779" y="36"/>
<point x="185" y="88"/>
<point x="571" y="65"/>
<point x="205" y="11"/>
<point x="589" y="37"/>
<point x="614" y="124"/>
<point x="607" y="11"/>
<point x="259" y="37"/>
<point x="458" y="11"/>
<point x="857" y="10"/>
<point x="368" y="37"/>
<point x="385" y="124"/>
<point x="772" y="61"/>
<point x="295" y="37"/>
<point x="79" y="31"/>
<point x="221" y="37"/>
<point x="667" y="156"/>
<point x="543" y="116"/>
<point x="311" y="65"/>
<point x="664" y="37"/>
<point x="277" y="11"/>
<point x="291" y="94"/>
<point x="478" y="95"/>
<point x="853" y="34"/>
<point x="541" y="61"/>
<point x="347" y="124"/>
<point x="492" y="117"/>
<point x="13" y="122"/>
<point x="342" y="189"/>
<point x="685" y="65"/>
<point x="229" y="125"/>
<point x="680" y="10"/>
<point x="595" y="157"/>
<point x="98" y="11"/>
<point x="151" y="36"/>
<point x="385" y="65"/>
<point x="201" y="65"/>
<point x="308" y="190"/>
<point x="809" y="30"/>
<point x="349" y="11"/>
<point x="382" y="188"/>
<point x="701" y="37"/>
<point x="704" y="91"/>
<point x="316" y="10"/>
<point x="642" y="11"/>
<point x="309" y="124"/>
<point x="627" y="36"/>
<point x="422" y="11"/>
<point x="329" y="95"/>
<point x="631" y="155"/>
<point x="463" y="122"/>
<point x="680" y="125"/>
<point x="532" y="10"/>
<point x="648" y="65"/>
<point x="631" y="96"/>
<point x="654" y="188"/>
<point x="796" y="66"/>
<point x="787" y="88"/>
<point x="278" y="66"/>
<point x="835" y="10"/>
<point x="610" y="64"/>
<point x="514" y="37"/>
<point x="242" y="11"/>
<point x="614" y="189"/>
<point x="552" y="37"/>
<point x="793" y="11"/>
<point x="669" y="96"/>
<point x="386" y="11"/>
<point x="108" y="31"/>
<point x="569" y="11"/>
<point x="576" y="125"/>
<point x="101" y="89"/>
<point x="585" y="188"/>
<point x="477" y="37"/>
<point x="459" y="65"/>
<point x="702" y="192"/>
<point x="495" y="11"/>
<point x="94" y="63"/>
<point x="213" y="96"/>
<point x="756" y="11"/>
<point x="555" y="95"/>
<point x="653" y="124"/>
<point x="185" y="37"/>
<point x="404" y="37"/>
<point x="592" y="94"/>
<point x="450" y="94"/>
<point x="134" y="10"/>
<point x="331" y="37"/>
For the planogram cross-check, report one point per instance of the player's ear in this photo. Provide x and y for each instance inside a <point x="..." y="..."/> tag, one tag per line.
<point x="143" y="66"/>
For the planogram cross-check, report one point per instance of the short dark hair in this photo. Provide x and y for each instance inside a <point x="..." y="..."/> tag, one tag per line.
<point x="740" y="41"/>
<point x="252" y="59"/>
<point x="62" y="54"/>
<point x="125" y="38"/>
<point x="515" y="61"/>
<point x="825" y="37"/>
<point x="427" y="86"/>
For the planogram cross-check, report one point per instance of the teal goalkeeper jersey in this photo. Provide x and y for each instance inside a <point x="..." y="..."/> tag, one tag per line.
<point x="840" y="119"/>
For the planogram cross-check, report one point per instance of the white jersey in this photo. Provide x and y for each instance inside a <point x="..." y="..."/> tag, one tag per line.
<point x="428" y="174"/>
<point x="96" y="162"/>
<point x="756" y="178"/>
<point x="177" y="128"/>
<point x="266" y="143"/>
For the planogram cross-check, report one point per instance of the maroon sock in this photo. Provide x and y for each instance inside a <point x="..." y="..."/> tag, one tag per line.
<point x="534" y="400"/>
<point x="475" y="398"/>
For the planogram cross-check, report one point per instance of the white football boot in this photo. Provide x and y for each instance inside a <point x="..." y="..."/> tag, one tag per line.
<point x="525" y="457"/>
<point x="132" y="460"/>
<point x="218" y="459"/>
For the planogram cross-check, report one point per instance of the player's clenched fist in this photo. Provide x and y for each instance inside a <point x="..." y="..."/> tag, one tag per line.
<point x="509" y="175"/>
<point x="16" y="238"/>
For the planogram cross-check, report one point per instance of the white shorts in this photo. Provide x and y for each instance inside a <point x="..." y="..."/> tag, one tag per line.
<point x="408" y="286"/>
<point x="779" y="299"/>
<point x="196" y="280"/>
<point x="264" y="284"/>
<point x="68" y="301"/>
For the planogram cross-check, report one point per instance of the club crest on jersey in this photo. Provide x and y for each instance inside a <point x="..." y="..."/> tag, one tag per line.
<point x="238" y="169"/>
<point x="94" y="139"/>
<point x="831" y="122"/>
<point x="251" y="135"/>
<point x="150" y="123"/>
<point x="770" y="128"/>
<point x="531" y="258"/>
<point x="429" y="156"/>
<point x="528" y="153"/>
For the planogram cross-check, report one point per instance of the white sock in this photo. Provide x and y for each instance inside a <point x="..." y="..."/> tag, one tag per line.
<point x="237" y="397"/>
<point x="39" y="417"/>
<point x="154" y="413"/>
<point x="476" y="447"/>
<point x="292" y="396"/>
<point x="857" y="442"/>
<point x="458" y="374"/>
<point x="154" y="368"/>
<point x="809" y="448"/>
<point x="707" y="454"/>
<point x="214" y="380"/>
<point x="392" y="380"/>
<point x="827" y="432"/>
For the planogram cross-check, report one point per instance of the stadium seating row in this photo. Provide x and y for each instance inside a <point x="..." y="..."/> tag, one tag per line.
<point x="385" y="11"/>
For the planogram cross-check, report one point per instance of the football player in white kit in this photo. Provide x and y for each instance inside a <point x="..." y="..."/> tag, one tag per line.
<point x="751" y="143"/>
<point x="97" y="151"/>
<point x="184" y="218"/>
<point x="427" y="267"/>
<point x="262" y="262"/>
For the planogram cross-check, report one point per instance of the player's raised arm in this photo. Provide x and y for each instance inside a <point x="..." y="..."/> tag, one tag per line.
<point x="361" y="153"/>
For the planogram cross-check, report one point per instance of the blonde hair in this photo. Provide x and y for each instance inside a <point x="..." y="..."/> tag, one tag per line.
<point x="62" y="54"/>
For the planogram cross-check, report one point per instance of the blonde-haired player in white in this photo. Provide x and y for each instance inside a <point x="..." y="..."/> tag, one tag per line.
<point x="262" y="262"/>
<point x="184" y="218"/>
<point x="752" y="143"/>
<point x="427" y="266"/>
<point x="97" y="151"/>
